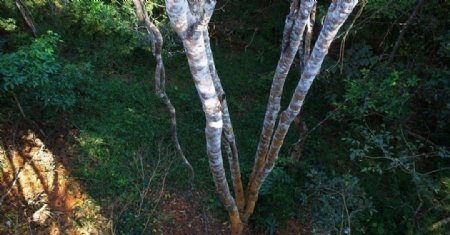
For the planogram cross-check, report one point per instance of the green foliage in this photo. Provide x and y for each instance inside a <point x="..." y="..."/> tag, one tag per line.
<point x="389" y="8"/>
<point x="278" y="191"/>
<point x="383" y="92"/>
<point x="122" y="148"/>
<point x="35" y="72"/>
<point x="337" y="204"/>
<point x="8" y="24"/>
<point x="384" y="149"/>
<point x="385" y="103"/>
<point x="100" y="30"/>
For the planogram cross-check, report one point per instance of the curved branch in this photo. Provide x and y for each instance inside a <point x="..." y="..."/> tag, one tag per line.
<point x="160" y="75"/>
<point x="26" y="16"/>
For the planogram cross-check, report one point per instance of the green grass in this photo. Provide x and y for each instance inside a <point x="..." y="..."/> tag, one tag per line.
<point x="119" y="117"/>
<point x="121" y="121"/>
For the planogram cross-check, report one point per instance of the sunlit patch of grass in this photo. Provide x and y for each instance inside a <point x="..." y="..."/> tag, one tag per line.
<point x="41" y="195"/>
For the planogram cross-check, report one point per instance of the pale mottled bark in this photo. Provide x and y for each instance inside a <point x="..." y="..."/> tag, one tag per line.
<point x="303" y="53"/>
<point x="190" y="21"/>
<point x="157" y="43"/>
<point x="337" y="14"/>
<point x="26" y="16"/>
<point x="308" y="36"/>
<point x="294" y="28"/>
<point x="228" y="133"/>
<point x="305" y="44"/>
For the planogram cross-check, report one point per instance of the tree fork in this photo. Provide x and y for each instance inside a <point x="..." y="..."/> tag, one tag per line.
<point x="294" y="27"/>
<point x="190" y="21"/>
<point x="338" y="12"/>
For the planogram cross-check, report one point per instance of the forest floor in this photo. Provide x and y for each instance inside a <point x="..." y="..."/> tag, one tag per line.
<point x="43" y="197"/>
<point x="109" y="166"/>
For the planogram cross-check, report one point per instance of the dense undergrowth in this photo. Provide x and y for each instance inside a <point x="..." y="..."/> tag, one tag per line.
<point x="376" y="157"/>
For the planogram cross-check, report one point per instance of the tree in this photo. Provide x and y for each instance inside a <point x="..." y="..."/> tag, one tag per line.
<point x="189" y="19"/>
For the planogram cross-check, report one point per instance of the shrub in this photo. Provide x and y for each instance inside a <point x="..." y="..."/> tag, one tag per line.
<point x="36" y="74"/>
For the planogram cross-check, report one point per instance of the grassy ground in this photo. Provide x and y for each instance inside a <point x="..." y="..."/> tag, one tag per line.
<point x="124" y="135"/>
<point x="123" y="155"/>
<point x="115" y="145"/>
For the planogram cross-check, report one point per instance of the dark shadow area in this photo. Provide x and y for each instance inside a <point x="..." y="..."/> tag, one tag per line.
<point x="39" y="195"/>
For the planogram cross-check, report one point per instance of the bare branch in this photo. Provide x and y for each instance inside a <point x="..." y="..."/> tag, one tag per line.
<point x="405" y="27"/>
<point x="160" y="75"/>
<point x="26" y="16"/>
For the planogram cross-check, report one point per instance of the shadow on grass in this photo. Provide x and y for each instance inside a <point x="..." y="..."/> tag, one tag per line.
<point x="110" y="168"/>
<point x="38" y="193"/>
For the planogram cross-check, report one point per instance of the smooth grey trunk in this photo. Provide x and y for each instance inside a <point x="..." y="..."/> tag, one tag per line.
<point x="294" y="28"/>
<point x="337" y="14"/>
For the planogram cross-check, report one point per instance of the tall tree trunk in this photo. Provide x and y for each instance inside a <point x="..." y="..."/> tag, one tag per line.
<point x="228" y="133"/>
<point x="294" y="28"/>
<point x="190" y="21"/>
<point x="337" y="14"/>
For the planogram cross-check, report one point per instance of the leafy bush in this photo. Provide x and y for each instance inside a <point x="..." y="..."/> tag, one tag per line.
<point x="36" y="73"/>
<point x="336" y="204"/>
<point x="8" y="24"/>
<point x="383" y="92"/>
<point x="277" y="192"/>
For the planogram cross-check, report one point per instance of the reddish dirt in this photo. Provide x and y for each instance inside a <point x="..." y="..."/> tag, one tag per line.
<point x="185" y="214"/>
<point x="40" y="196"/>
<point x="37" y="193"/>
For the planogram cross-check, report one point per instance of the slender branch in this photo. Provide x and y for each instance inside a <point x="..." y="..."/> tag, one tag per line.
<point x="157" y="43"/>
<point x="344" y="38"/>
<point x="26" y="16"/>
<point x="308" y="37"/>
<point x="18" y="104"/>
<point x="12" y="184"/>
<point x="303" y="53"/>
<point x="405" y="27"/>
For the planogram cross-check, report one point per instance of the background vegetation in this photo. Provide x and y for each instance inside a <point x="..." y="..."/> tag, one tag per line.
<point x="376" y="157"/>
